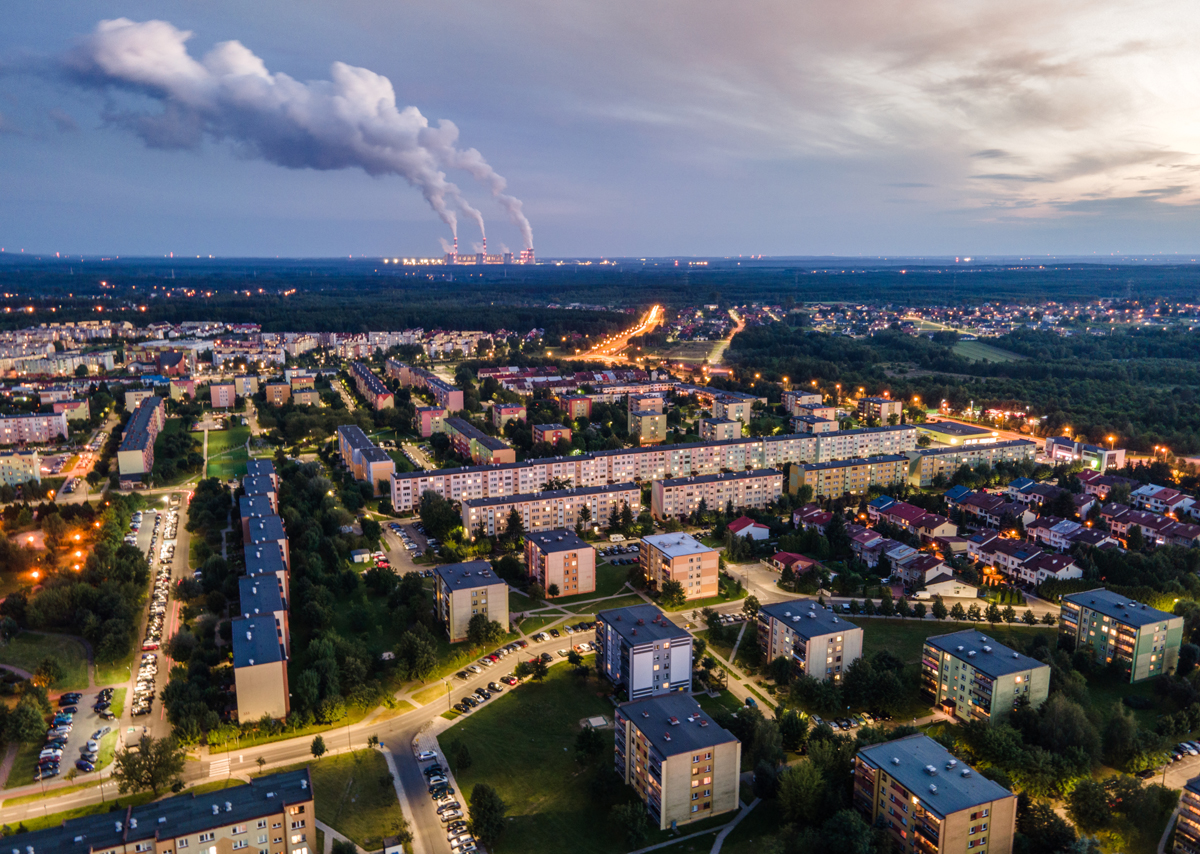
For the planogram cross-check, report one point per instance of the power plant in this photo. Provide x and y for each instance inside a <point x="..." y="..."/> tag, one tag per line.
<point x="453" y="257"/>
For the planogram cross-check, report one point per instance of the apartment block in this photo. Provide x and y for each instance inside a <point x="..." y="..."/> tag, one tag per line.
<point x="682" y="558"/>
<point x="367" y="462"/>
<point x="260" y="669"/>
<point x="471" y="442"/>
<point x="429" y="420"/>
<point x="975" y="678"/>
<point x="879" y="408"/>
<point x="277" y="394"/>
<point x="647" y="427"/>
<point x="371" y="387"/>
<point x="545" y="511"/>
<point x="300" y="382"/>
<point x="35" y="428"/>
<point x="562" y="559"/>
<point x="446" y="395"/>
<point x="813" y="424"/>
<point x="576" y="406"/>
<point x="733" y="408"/>
<point x="683" y="766"/>
<point x="955" y="433"/>
<point x="221" y="395"/>
<point x="642" y="652"/>
<point x="255" y="507"/>
<point x="134" y="396"/>
<point x="268" y="530"/>
<point x="75" y="410"/>
<point x="463" y="590"/>
<point x="266" y="561"/>
<point x="263" y="597"/>
<point x="1143" y="640"/>
<point x="1187" y="826"/>
<point x="135" y="454"/>
<point x="502" y="413"/>
<point x="931" y="803"/>
<point x="274" y="814"/>
<point x="681" y="496"/>
<point x="17" y="467"/>
<point x="246" y="385"/>
<point x="816" y="641"/>
<point x="853" y="477"/>
<point x="792" y="400"/>
<point x="551" y="433"/>
<point x="926" y="464"/>
<point x="816" y="410"/>
<point x="718" y="429"/>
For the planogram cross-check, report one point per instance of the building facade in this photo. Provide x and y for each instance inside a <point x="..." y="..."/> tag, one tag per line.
<point x="33" y="429"/>
<point x="817" y="642"/>
<point x="683" y="766"/>
<point x="683" y="558"/>
<point x="853" y="477"/>
<point x="719" y="429"/>
<point x="879" y="409"/>
<point x="974" y="678"/>
<point x="1143" y="640"/>
<point x="463" y="590"/>
<point x="681" y="496"/>
<point x="135" y="454"/>
<point x="17" y="467"/>
<point x="562" y="560"/>
<point x="545" y="511"/>
<point x="642" y="652"/>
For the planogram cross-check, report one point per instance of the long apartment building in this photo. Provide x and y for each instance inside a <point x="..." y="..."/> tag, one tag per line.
<point x="680" y="557"/>
<point x="371" y="387"/>
<point x="1143" y="640"/>
<point x="816" y="641"/>
<point x="853" y="476"/>
<point x="628" y="465"/>
<point x="681" y="496"/>
<point x="544" y="511"/>
<point x="34" y="428"/>
<point x="927" y="463"/>
<point x="17" y="467"/>
<point x="463" y="590"/>
<point x="1187" y="827"/>
<point x="642" y="652"/>
<point x="368" y="462"/>
<point x="274" y="814"/>
<point x="975" y="678"/>
<point x="135" y="454"/>
<point x="471" y="442"/>
<point x="447" y="395"/>
<point x="682" y="765"/>
<point x="931" y="803"/>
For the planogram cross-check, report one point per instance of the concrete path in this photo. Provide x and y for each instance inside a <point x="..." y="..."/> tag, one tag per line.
<point x="745" y="811"/>
<point x="738" y="642"/>
<point x="331" y="834"/>
<point x="1162" y="842"/>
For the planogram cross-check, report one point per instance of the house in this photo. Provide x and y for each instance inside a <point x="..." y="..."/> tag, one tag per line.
<point x="933" y="526"/>
<point x="1160" y="499"/>
<point x="1053" y="531"/>
<point x="948" y="587"/>
<point x="1053" y="568"/>
<point x="1100" y="485"/>
<point x="744" y="526"/>
<point x="798" y="563"/>
<point x="810" y="516"/>
<point x="917" y="572"/>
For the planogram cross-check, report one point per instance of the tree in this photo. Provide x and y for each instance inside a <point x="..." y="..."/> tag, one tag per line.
<point x="156" y="764"/>
<point x="633" y="818"/>
<point x="1046" y="830"/>
<point x="626" y="517"/>
<point x="318" y="747"/>
<point x="673" y="595"/>
<point x="1049" y="619"/>
<point x="958" y="612"/>
<point x="793" y="730"/>
<point x="1134" y="540"/>
<point x="1029" y="618"/>
<point x="49" y="671"/>
<point x="918" y="610"/>
<point x="462" y="756"/>
<point x="887" y="606"/>
<point x="487" y="814"/>
<point x="750" y="607"/>
<point x="1088" y="806"/>
<point x="993" y="614"/>
<point x="514" y="525"/>
<point x="552" y="590"/>
<point x="25" y="724"/>
<point x="801" y="791"/>
<point x="589" y="742"/>
<point x="903" y="608"/>
<point x="343" y="846"/>
<point x="483" y="632"/>
<point x="1009" y="614"/>
<point x="416" y="653"/>
<point x="538" y="670"/>
<point x="1120" y="736"/>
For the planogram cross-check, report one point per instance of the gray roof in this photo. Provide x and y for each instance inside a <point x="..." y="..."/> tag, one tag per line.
<point x="137" y="430"/>
<point x="859" y="461"/>
<point x="266" y="529"/>
<point x="713" y="478"/>
<point x="990" y="657"/>
<point x="256" y="641"/>
<point x="375" y="455"/>
<point x="557" y="541"/>
<point x="1119" y="608"/>
<point x="917" y="753"/>
<point x="260" y="467"/>
<point x="250" y="506"/>
<point x="654" y="625"/>
<point x="353" y="436"/>
<point x="180" y="815"/>
<point x="554" y="493"/>
<point x="469" y="575"/>
<point x="959" y="449"/>
<point x="676" y="545"/>
<point x="653" y="718"/>
<point x="806" y="621"/>
<point x="955" y="429"/>
<point x="259" y="596"/>
<point x="264" y="558"/>
<point x="258" y="484"/>
<point x="470" y="431"/>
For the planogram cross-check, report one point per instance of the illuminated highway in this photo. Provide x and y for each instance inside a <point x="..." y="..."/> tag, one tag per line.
<point x="610" y="348"/>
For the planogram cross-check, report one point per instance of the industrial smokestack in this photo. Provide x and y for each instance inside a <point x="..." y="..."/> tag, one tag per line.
<point x="348" y="121"/>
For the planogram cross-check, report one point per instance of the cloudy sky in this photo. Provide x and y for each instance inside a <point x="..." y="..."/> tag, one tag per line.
<point x="780" y="127"/>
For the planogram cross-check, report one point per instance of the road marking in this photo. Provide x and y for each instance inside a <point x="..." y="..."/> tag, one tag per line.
<point x="219" y="767"/>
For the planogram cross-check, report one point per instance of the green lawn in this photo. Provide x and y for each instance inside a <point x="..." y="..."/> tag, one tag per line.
<point x="117" y="672"/>
<point x="27" y="650"/>
<point x="609" y="581"/>
<point x="533" y="625"/>
<point x="246" y="741"/>
<point x="978" y="351"/>
<point x="534" y="770"/>
<point x="692" y="604"/>
<point x="23" y="766"/>
<point x="220" y="441"/>
<point x="607" y="604"/>
<point x="749" y="836"/>
<point x="725" y="701"/>
<point x="431" y="694"/>
<point x="354" y="795"/>
<point x="227" y="454"/>
<point x="905" y="638"/>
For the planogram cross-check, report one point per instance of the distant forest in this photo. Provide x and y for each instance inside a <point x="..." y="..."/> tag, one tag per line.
<point x="357" y="295"/>
<point x="1141" y="385"/>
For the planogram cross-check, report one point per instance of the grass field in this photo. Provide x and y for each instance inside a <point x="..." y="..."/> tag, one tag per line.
<point x="609" y="581"/>
<point x="227" y="454"/>
<point x="905" y="638"/>
<point x="696" y="604"/>
<point x="533" y="625"/>
<point x="978" y="351"/>
<point x="23" y="766"/>
<point x="27" y="650"/>
<point x="764" y="820"/>
<point x="354" y="795"/>
<point x="606" y="605"/>
<point x="431" y="694"/>
<point x="534" y="770"/>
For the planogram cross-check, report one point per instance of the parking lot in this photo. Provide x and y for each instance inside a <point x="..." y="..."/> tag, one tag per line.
<point x="73" y="738"/>
<point x="405" y="542"/>
<point x="160" y="553"/>
<point x="620" y="554"/>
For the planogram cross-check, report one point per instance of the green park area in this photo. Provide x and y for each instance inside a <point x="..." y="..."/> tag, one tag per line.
<point x="227" y="454"/>
<point x="29" y="649"/>
<point x="978" y="351"/>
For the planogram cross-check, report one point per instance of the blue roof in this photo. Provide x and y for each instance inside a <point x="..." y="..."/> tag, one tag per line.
<point x="266" y="529"/>
<point x="882" y="502"/>
<point x="1021" y="484"/>
<point x="264" y="558"/>
<point x="807" y="619"/>
<point x="954" y="493"/>
<point x="256" y="641"/>
<point x="950" y="788"/>
<point x="259" y="596"/>
<point x="469" y="575"/>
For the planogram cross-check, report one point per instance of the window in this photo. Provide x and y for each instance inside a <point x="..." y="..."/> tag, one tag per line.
<point x="238" y="844"/>
<point x="275" y="825"/>
<point x="298" y="837"/>
<point x="296" y="825"/>
<point x="239" y="828"/>
<point x="181" y="843"/>
<point x="695" y="784"/>
<point x="206" y="837"/>
<point x="695" y="808"/>
<point x="262" y="839"/>
<point x="143" y="846"/>
<point x="695" y="796"/>
<point x="262" y="822"/>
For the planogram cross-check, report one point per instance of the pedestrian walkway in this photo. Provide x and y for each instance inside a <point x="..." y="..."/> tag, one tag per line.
<point x="405" y="806"/>
<point x="331" y="835"/>
<point x="725" y="831"/>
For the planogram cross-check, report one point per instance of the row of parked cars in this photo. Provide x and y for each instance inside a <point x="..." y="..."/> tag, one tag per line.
<point x="493" y="658"/>
<point x="613" y="554"/>
<point x="564" y="630"/>
<point x="853" y="721"/>
<point x="408" y="541"/>
<point x="449" y="810"/>
<point x="59" y="732"/>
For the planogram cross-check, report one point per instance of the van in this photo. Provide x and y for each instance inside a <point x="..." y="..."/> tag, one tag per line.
<point x="616" y="538"/>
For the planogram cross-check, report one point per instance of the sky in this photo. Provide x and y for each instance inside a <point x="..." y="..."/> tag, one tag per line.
<point x="621" y="128"/>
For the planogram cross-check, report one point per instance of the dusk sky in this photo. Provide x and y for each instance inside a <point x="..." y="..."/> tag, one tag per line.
<point x="780" y="127"/>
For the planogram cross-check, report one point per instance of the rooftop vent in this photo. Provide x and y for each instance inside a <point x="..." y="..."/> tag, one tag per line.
<point x="673" y="721"/>
<point x="666" y="736"/>
<point x="249" y="635"/>
<point x="931" y="770"/>
<point x="228" y="806"/>
<point x="987" y="649"/>
<point x="303" y="784"/>
<point x="703" y="722"/>
<point x="645" y="714"/>
<point x="1016" y="655"/>
<point x="162" y="819"/>
<point x="932" y="789"/>
<point x="216" y="809"/>
<point x="270" y="794"/>
<point x="895" y="760"/>
<point x="971" y="654"/>
<point x="133" y="824"/>
<point x="966" y="772"/>
<point x="960" y="647"/>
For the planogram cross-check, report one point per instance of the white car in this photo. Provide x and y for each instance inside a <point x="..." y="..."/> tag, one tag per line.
<point x="437" y="780"/>
<point x="426" y="755"/>
<point x="475" y="668"/>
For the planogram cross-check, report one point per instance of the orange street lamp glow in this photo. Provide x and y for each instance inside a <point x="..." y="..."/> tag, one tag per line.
<point x="35" y="575"/>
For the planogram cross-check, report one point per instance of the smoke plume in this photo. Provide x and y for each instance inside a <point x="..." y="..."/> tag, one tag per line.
<point x="348" y="121"/>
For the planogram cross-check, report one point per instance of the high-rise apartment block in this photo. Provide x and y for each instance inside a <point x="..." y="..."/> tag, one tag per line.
<point x="642" y="652"/>
<point x="1143" y="640"/>
<point x="816" y="641"/>
<point x="463" y="590"/>
<point x="682" y="558"/>
<point x="975" y="678"/>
